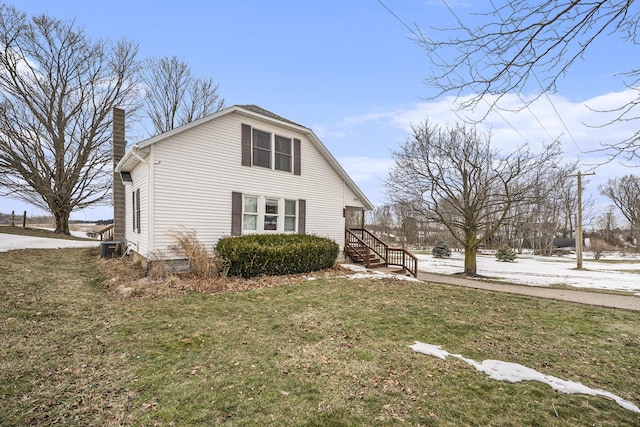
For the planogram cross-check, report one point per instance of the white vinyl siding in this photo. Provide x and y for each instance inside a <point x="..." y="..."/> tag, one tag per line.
<point x="138" y="238"/>
<point x="195" y="172"/>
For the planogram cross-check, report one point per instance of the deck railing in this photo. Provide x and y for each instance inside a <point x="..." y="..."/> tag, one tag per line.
<point x="357" y="246"/>
<point x="391" y="256"/>
<point x="106" y="233"/>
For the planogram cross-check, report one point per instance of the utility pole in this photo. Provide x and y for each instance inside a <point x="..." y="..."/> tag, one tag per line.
<point x="579" y="220"/>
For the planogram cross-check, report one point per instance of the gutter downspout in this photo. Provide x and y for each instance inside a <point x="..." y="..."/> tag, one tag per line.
<point x="134" y="153"/>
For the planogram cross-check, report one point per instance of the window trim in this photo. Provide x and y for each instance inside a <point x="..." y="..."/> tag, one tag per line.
<point x="282" y="154"/>
<point x="248" y="149"/>
<point x="262" y="215"/>
<point x="135" y="199"/>
<point x="255" y="214"/>
<point x="254" y="147"/>
<point x="294" y="216"/>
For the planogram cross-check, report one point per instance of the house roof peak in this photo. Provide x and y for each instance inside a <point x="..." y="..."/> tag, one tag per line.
<point x="259" y="110"/>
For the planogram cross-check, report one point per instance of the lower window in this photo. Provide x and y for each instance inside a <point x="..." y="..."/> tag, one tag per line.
<point x="268" y="214"/>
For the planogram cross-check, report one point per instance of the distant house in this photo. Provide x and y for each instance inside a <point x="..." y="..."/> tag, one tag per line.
<point x="241" y="170"/>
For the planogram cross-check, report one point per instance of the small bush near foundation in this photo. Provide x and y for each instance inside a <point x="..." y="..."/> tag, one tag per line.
<point x="276" y="254"/>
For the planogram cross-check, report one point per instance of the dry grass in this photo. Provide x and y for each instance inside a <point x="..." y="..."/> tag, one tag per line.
<point x="292" y="352"/>
<point x="127" y="279"/>
<point x="202" y="262"/>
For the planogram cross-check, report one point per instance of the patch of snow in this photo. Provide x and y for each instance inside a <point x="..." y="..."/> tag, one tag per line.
<point x="544" y="271"/>
<point x="365" y="273"/>
<point x="75" y="233"/>
<point x="10" y="242"/>
<point x="514" y="372"/>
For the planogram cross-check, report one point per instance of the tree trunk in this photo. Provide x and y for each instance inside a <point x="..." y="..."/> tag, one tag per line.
<point x="470" y="265"/>
<point x="62" y="222"/>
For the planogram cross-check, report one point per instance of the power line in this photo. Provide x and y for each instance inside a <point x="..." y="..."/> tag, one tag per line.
<point x="526" y="104"/>
<point x="412" y="31"/>
<point x="545" y="94"/>
<point x="497" y="111"/>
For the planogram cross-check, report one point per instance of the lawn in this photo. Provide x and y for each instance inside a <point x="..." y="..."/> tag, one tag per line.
<point x="330" y="351"/>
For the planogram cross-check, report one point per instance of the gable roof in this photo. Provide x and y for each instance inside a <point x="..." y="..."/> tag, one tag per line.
<point x="267" y="113"/>
<point x="133" y="156"/>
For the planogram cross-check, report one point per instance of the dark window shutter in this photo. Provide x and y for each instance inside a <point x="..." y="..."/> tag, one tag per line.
<point x="296" y="156"/>
<point x="302" y="216"/>
<point x="246" y="145"/>
<point x="236" y="214"/>
<point x="138" y="210"/>
<point x="133" y="210"/>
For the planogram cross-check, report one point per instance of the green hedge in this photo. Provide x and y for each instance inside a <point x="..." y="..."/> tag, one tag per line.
<point x="276" y="254"/>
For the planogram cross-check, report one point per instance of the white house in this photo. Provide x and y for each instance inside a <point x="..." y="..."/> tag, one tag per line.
<point x="238" y="171"/>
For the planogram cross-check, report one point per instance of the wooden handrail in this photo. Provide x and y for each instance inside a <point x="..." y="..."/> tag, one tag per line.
<point x="358" y="246"/>
<point x="108" y="231"/>
<point x="391" y="256"/>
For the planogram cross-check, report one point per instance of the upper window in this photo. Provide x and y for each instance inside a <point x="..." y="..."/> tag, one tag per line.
<point x="271" y="151"/>
<point x="261" y="149"/>
<point x="283" y="153"/>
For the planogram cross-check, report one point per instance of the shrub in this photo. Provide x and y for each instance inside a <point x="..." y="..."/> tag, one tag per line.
<point x="276" y="254"/>
<point x="599" y="247"/>
<point x="441" y="250"/>
<point x="202" y="262"/>
<point x="506" y="254"/>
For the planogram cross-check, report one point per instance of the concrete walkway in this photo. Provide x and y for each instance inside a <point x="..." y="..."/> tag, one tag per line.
<point x="581" y="297"/>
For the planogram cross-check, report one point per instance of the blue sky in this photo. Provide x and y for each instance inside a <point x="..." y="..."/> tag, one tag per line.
<point x="348" y="70"/>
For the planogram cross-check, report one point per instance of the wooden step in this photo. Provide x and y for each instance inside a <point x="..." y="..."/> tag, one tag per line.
<point x="377" y="263"/>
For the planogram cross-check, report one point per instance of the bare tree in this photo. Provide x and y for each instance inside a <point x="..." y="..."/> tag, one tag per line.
<point x="625" y="194"/>
<point x="57" y="91"/>
<point x="174" y="97"/>
<point x="462" y="182"/>
<point x="607" y="223"/>
<point x="408" y="225"/>
<point x="383" y="220"/>
<point x="544" y="219"/>
<point x="523" y="44"/>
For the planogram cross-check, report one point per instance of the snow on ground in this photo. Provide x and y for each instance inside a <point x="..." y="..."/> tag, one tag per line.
<point x="10" y="242"/>
<point x="526" y="270"/>
<point x="514" y="372"/>
<point x="534" y="270"/>
<point x="364" y="273"/>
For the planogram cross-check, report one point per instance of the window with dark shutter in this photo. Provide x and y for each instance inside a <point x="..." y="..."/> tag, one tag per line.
<point x="296" y="156"/>
<point x="138" y="210"/>
<point x="267" y="150"/>
<point x="246" y="145"/>
<point x="302" y="216"/>
<point x="133" y="210"/>
<point x="282" y="153"/>
<point x="261" y="149"/>
<point x="236" y="214"/>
